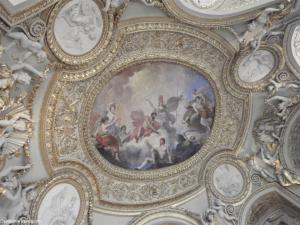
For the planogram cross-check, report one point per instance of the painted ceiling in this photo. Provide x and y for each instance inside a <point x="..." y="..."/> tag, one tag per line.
<point x="150" y="112"/>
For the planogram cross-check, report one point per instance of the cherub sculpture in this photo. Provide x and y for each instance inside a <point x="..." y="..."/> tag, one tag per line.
<point x="16" y="124"/>
<point x="32" y="47"/>
<point x="284" y="104"/>
<point x="217" y="215"/>
<point x="15" y="198"/>
<point x="260" y="27"/>
<point x="275" y="86"/>
<point x="15" y="77"/>
<point x="6" y="82"/>
<point x="285" y="177"/>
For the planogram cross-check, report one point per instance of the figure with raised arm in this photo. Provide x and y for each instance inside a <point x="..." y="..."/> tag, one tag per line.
<point x="32" y="47"/>
<point x="260" y="27"/>
<point x="13" y="194"/>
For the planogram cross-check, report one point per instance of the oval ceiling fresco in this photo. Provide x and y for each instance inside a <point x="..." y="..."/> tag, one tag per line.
<point x="152" y="115"/>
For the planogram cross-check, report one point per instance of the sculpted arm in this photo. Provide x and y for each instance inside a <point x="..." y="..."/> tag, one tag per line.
<point x="25" y="66"/>
<point x="14" y="169"/>
<point x="11" y="197"/>
<point x="17" y="36"/>
<point x="271" y="10"/>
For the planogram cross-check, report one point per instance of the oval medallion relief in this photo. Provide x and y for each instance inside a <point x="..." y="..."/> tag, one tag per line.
<point x="78" y="26"/>
<point x="60" y="205"/>
<point x="152" y="115"/>
<point x="295" y="44"/>
<point x="256" y="66"/>
<point x="228" y="180"/>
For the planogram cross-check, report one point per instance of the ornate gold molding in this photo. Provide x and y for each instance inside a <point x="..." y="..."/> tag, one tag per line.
<point x="228" y="159"/>
<point x="287" y="52"/>
<point x="214" y="21"/>
<point x="279" y="62"/>
<point x="97" y="53"/>
<point x="25" y="13"/>
<point x="172" y="213"/>
<point x="76" y="180"/>
<point x="65" y="137"/>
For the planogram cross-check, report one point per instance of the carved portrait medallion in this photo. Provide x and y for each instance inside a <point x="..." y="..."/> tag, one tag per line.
<point x="227" y="178"/>
<point x="295" y="44"/>
<point x="78" y="26"/>
<point x="256" y="66"/>
<point x="291" y="46"/>
<point x="64" y="199"/>
<point x="214" y="12"/>
<point x="60" y="204"/>
<point x="79" y="31"/>
<point x="152" y="115"/>
<point x="253" y="69"/>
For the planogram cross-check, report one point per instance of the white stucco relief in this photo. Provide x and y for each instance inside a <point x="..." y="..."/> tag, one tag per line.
<point x="78" y="27"/>
<point x="202" y="4"/>
<point x="228" y="180"/>
<point x="295" y="45"/>
<point x="256" y="66"/>
<point x="60" y="205"/>
<point x="219" y="7"/>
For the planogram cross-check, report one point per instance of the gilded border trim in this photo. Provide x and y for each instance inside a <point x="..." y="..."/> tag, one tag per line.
<point x="74" y="179"/>
<point x="25" y="13"/>
<point x="179" y="214"/>
<point x="184" y="16"/>
<point x="91" y="55"/>
<point x="259" y="85"/>
<point x="290" y="61"/>
<point x="106" y="202"/>
<point x="224" y="158"/>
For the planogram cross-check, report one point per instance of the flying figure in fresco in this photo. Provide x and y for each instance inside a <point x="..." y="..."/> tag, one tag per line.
<point x="165" y="111"/>
<point x="198" y="112"/>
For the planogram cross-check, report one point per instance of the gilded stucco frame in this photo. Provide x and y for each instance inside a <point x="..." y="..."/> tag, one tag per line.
<point x="156" y="215"/>
<point x="259" y="85"/>
<point x="25" y="13"/>
<point x="235" y="107"/>
<point x="75" y="179"/>
<point x="88" y="57"/>
<point x="214" y="21"/>
<point x="290" y="61"/>
<point x="227" y="158"/>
